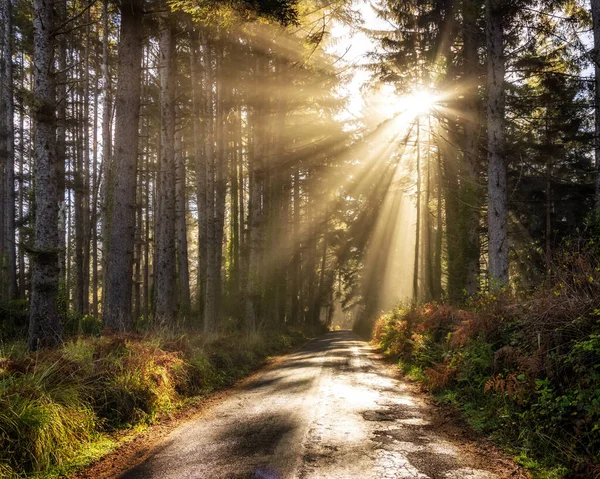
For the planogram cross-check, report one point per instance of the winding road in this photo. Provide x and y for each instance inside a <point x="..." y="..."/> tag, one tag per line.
<point x="333" y="409"/>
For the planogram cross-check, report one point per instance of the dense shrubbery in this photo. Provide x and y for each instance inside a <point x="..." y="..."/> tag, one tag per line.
<point x="524" y="369"/>
<point x="54" y="403"/>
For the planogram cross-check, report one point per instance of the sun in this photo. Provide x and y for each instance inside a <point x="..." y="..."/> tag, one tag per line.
<point x="419" y="102"/>
<point x="405" y="107"/>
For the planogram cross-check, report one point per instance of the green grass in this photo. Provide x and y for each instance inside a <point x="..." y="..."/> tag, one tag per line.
<point x="60" y="408"/>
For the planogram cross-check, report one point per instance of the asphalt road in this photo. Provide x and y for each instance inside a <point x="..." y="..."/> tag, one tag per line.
<point x="331" y="410"/>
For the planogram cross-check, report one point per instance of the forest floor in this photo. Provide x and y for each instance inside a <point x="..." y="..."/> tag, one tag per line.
<point x="333" y="409"/>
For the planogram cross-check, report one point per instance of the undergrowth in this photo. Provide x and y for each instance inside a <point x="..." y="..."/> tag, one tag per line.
<point x="524" y="369"/>
<point x="59" y="405"/>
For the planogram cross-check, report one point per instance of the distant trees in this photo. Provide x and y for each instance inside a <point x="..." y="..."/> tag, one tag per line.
<point x="534" y="66"/>
<point x="196" y="172"/>
<point x="173" y="169"/>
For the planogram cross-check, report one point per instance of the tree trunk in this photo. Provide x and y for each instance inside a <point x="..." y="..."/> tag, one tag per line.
<point x="22" y="277"/>
<point x="9" y="141"/>
<point x="416" y="291"/>
<point x="121" y="237"/>
<point x="181" y="214"/>
<point x="497" y="194"/>
<point x="106" y="175"/>
<point x="437" y="261"/>
<point x="221" y="167"/>
<point x="234" y="250"/>
<point x="210" y="300"/>
<point x="470" y="189"/>
<point x="256" y="158"/>
<point x="295" y="268"/>
<point x="596" y="60"/>
<point x="94" y="206"/>
<point x="200" y="150"/>
<point x="44" y="322"/>
<point x="165" y="295"/>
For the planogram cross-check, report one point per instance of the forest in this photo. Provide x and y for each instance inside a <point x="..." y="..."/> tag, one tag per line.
<point x="190" y="187"/>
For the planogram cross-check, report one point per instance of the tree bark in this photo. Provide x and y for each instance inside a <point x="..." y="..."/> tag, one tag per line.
<point x="121" y="236"/>
<point x="416" y="291"/>
<point x="470" y="171"/>
<point x="106" y="175"/>
<point x="165" y="295"/>
<point x="596" y="60"/>
<point x="210" y="300"/>
<point x="200" y="150"/>
<point x="181" y="214"/>
<point x="497" y="194"/>
<point x="256" y="158"/>
<point x="9" y="142"/>
<point x="45" y="328"/>
<point x="221" y="168"/>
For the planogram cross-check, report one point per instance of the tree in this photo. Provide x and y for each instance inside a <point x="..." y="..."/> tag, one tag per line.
<point x="596" y="62"/>
<point x="44" y="321"/>
<point x="8" y="138"/>
<point x="121" y="190"/>
<point x="165" y="267"/>
<point x="497" y="168"/>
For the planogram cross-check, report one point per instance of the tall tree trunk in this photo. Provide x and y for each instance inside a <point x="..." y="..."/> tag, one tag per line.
<point x="427" y="253"/>
<point x="470" y="188"/>
<point x="61" y="151"/>
<point x="234" y="250"/>
<point x="9" y="150"/>
<point x="255" y="161"/>
<point x="94" y="206"/>
<point x="86" y="171"/>
<point x="121" y="237"/>
<point x="182" y="244"/>
<point x="210" y="300"/>
<point x="22" y="278"/>
<point x="107" y="174"/>
<point x="437" y="261"/>
<point x="596" y="59"/>
<point x="416" y="291"/>
<point x="497" y="194"/>
<point x="200" y="150"/>
<point x="79" y="187"/>
<point x="295" y="268"/>
<point x="221" y="167"/>
<point x="44" y="322"/>
<point x="165" y="295"/>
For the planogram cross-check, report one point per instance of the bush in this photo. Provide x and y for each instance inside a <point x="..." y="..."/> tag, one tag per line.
<point x="524" y="369"/>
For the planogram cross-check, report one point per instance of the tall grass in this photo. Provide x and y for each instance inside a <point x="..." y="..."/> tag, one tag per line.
<point x="55" y="403"/>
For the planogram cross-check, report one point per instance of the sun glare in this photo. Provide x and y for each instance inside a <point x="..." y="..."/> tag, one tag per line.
<point x="391" y="105"/>
<point x="420" y="101"/>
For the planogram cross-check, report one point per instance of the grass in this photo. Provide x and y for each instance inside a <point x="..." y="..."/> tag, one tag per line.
<point x="59" y="409"/>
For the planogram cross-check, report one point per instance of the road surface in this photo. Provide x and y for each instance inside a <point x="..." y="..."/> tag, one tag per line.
<point x="330" y="410"/>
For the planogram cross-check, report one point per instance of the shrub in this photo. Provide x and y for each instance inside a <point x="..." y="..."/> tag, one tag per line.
<point x="525" y="369"/>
